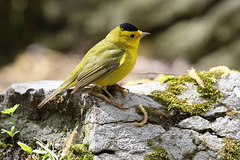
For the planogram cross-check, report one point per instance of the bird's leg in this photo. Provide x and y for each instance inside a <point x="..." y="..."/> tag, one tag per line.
<point x="105" y="98"/>
<point x="95" y="93"/>
<point x="123" y="90"/>
<point x="115" y="101"/>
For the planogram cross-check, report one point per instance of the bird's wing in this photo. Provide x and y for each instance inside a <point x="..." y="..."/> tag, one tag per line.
<point x="99" y="66"/>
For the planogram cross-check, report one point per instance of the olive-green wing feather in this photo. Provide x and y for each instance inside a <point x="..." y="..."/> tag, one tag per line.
<point x="98" y="67"/>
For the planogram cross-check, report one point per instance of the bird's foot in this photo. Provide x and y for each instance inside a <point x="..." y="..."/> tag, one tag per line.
<point x="123" y="90"/>
<point x="114" y="102"/>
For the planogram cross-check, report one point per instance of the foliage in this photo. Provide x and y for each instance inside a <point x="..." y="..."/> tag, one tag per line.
<point x="10" y="112"/>
<point x="11" y="133"/>
<point x="26" y="148"/>
<point x="29" y="150"/>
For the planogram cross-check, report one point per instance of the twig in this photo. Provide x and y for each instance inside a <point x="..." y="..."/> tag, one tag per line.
<point x="193" y="74"/>
<point x="145" y="117"/>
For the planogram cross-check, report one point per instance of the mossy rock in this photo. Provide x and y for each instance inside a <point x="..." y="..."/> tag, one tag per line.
<point x="175" y="87"/>
<point x="230" y="150"/>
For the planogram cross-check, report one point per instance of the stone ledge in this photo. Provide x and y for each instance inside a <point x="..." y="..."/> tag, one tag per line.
<point x="110" y="131"/>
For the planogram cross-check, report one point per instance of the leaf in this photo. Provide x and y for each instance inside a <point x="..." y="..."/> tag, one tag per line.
<point x="25" y="147"/>
<point x="39" y="152"/>
<point x="6" y="131"/>
<point x="16" y="133"/>
<point x="10" y="111"/>
<point x="165" y="78"/>
<point x="12" y="129"/>
<point x="10" y="123"/>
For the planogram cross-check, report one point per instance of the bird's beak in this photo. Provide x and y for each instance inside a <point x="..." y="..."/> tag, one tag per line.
<point x="145" y="34"/>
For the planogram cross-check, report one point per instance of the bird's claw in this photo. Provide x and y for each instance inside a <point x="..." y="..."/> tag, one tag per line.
<point x="105" y="98"/>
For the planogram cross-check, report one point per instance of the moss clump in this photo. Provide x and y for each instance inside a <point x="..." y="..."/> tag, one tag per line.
<point x="80" y="152"/>
<point x="150" y="142"/>
<point x="175" y="86"/>
<point x="158" y="154"/>
<point x="210" y="90"/>
<point x="230" y="151"/>
<point x="159" y="139"/>
<point x="173" y="102"/>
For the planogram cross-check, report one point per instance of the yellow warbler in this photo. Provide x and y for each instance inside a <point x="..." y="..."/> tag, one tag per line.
<point x="108" y="62"/>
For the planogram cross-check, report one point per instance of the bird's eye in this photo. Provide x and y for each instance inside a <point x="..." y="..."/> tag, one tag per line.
<point x="132" y="35"/>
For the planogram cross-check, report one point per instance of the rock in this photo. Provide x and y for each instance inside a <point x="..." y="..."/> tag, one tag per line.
<point x="179" y="142"/>
<point x="124" y="140"/>
<point x="44" y="124"/>
<point x="229" y="86"/>
<point x="146" y="88"/>
<point x="212" y="141"/>
<point x="110" y="132"/>
<point x="202" y="155"/>
<point x="195" y="123"/>
<point x="227" y="127"/>
<point x="215" y="112"/>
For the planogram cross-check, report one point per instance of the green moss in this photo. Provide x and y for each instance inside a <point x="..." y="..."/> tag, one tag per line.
<point x="158" y="154"/>
<point x="83" y="135"/>
<point x="80" y="152"/>
<point x="159" y="139"/>
<point x="175" y="89"/>
<point x="175" y="86"/>
<point x="150" y="142"/>
<point x="230" y="151"/>
<point x="173" y="102"/>
<point x="210" y="91"/>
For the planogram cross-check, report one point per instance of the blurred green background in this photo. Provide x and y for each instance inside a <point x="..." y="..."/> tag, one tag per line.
<point x="45" y="39"/>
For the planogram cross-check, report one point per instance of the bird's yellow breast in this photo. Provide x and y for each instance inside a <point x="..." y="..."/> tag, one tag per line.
<point x="126" y="65"/>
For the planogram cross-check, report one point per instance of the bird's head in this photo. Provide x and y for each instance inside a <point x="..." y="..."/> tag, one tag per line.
<point x="126" y="35"/>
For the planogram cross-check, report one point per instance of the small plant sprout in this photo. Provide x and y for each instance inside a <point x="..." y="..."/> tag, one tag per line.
<point x="26" y="148"/>
<point x="11" y="133"/>
<point x="29" y="150"/>
<point x="10" y="112"/>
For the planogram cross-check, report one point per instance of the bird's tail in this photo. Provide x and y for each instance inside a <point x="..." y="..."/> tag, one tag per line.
<point x="53" y="94"/>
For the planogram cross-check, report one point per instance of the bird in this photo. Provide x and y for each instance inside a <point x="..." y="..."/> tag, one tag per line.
<point x="106" y="63"/>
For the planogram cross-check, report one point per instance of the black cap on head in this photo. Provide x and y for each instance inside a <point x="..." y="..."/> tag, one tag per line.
<point x="128" y="27"/>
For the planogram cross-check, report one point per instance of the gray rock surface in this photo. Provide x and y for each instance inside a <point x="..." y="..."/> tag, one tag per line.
<point x="179" y="142"/>
<point x="195" y="123"/>
<point x="110" y="131"/>
<point x="227" y="127"/>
